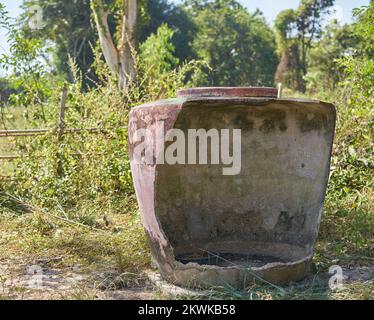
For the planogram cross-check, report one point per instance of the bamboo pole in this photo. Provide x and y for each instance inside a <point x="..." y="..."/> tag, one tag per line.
<point x="82" y="155"/>
<point x="38" y="132"/>
<point x="6" y="132"/>
<point x="10" y="157"/>
<point x="60" y="132"/>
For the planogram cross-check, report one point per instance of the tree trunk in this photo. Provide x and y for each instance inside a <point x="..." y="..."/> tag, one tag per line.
<point x="121" y="59"/>
<point x="297" y="66"/>
<point x="127" y="49"/>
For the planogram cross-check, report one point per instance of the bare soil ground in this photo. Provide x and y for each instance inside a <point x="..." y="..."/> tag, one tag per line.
<point x="46" y="279"/>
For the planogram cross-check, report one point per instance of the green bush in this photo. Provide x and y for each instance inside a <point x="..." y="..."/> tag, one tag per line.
<point x="349" y="220"/>
<point x="70" y="170"/>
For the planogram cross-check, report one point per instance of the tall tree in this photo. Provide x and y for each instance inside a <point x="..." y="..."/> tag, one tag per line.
<point x="69" y="29"/>
<point x="119" y="57"/>
<point x="177" y="18"/>
<point x="238" y="46"/>
<point x="72" y="31"/>
<point x="296" y="31"/>
<point x="337" y="41"/>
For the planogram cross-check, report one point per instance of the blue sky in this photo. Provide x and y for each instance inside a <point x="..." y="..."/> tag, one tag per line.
<point x="270" y="8"/>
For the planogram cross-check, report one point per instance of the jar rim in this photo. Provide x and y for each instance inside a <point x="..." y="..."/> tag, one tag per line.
<point x="255" y="92"/>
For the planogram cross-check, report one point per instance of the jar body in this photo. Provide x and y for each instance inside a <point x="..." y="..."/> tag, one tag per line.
<point x="207" y="228"/>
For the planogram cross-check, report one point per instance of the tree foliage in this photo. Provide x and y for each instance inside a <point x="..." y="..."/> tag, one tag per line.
<point x="238" y="46"/>
<point x="359" y="66"/>
<point x="337" y="41"/>
<point x="161" y="12"/>
<point x="296" y="31"/>
<point x="70" y="31"/>
<point x="158" y="51"/>
<point x="24" y="63"/>
<point x="353" y="160"/>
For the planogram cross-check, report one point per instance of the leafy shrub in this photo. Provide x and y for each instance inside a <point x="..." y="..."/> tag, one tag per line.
<point x="349" y="216"/>
<point x="70" y="170"/>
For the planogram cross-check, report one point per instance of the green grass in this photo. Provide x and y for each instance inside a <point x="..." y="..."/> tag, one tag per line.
<point x="29" y="234"/>
<point x="102" y="229"/>
<point x="313" y="288"/>
<point x="118" y="246"/>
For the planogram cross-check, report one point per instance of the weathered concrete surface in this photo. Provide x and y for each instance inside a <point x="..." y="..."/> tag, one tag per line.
<point x="208" y="229"/>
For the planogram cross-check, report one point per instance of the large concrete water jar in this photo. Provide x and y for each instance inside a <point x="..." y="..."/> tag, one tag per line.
<point x="260" y="221"/>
